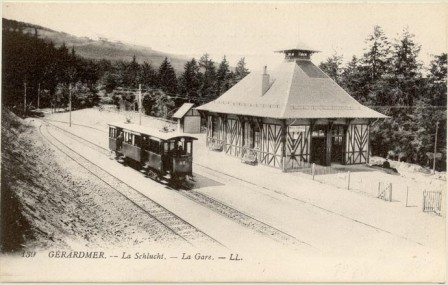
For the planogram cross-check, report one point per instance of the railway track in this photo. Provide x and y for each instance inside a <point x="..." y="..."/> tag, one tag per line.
<point x="242" y="218"/>
<point x="172" y="222"/>
<point x="216" y="206"/>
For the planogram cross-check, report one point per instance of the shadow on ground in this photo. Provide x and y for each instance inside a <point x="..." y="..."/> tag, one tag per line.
<point x="204" y="182"/>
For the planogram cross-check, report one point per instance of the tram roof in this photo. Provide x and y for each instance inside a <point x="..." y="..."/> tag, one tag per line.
<point x="153" y="132"/>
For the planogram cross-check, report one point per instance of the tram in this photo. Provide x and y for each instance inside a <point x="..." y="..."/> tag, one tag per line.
<point x="162" y="154"/>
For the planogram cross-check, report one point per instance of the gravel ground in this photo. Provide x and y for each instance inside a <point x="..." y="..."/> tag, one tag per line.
<point x="49" y="201"/>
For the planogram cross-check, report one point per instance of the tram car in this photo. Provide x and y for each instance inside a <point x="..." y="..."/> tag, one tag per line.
<point x="163" y="154"/>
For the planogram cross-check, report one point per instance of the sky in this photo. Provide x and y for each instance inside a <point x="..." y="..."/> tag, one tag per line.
<point x="253" y="30"/>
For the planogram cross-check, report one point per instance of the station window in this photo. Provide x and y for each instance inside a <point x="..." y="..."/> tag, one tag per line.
<point x="319" y="131"/>
<point x="338" y="134"/>
<point x="257" y="139"/>
<point x="215" y="127"/>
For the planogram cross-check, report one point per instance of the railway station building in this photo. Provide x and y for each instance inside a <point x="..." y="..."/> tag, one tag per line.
<point x="290" y="117"/>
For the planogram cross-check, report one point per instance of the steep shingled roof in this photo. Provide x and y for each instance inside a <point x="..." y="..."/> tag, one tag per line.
<point x="298" y="89"/>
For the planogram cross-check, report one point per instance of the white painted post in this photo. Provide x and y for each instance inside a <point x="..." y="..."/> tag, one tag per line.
<point x="424" y="200"/>
<point x="407" y="194"/>
<point x="348" y="184"/>
<point x="312" y="170"/>
<point x="390" y="193"/>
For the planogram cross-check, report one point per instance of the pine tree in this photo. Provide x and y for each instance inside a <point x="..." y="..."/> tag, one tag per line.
<point x="430" y="108"/>
<point x="131" y="74"/>
<point x="148" y="75"/>
<point x="333" y="67"/>
<point x="407" y="69"/>
<point x="376" y="59"/>
<point x="223" y="77"/>
<point x="167" y="77"/>
<point x="240" y="70"/>
<point x="207" y="77"/>
<point x="190" y="80"/>
<point x="352" y="80"/>
<point x="437" y="81"/>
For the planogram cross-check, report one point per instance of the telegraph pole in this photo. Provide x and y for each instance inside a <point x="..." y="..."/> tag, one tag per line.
<point x="140" y="103"/>
<point x="435" y="149"/>
<point x="70" y="104"/>
<point x="38" y="97"/>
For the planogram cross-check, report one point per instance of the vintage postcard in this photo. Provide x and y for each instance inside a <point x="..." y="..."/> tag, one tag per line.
<point x="223" y="142"/>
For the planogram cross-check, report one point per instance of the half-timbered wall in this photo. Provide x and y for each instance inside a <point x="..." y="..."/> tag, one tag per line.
<point x="357" y="144"/>
<point x="216" y="131"/>
<point x="271" y="145"/>
<point x="267" y="141"/>
<point x="234" y="140"/>
<point x="297" y="147"/>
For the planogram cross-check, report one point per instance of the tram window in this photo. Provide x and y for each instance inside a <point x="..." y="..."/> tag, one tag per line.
<point x="188" y="148"/>
<point x="112" y="132"/>
<point x="181" y="147"/>
<point x="153" y="146"/>
<point x="128" y="138"/>
<point x="144" y="142"/>
<point x="172" y="145"/>
<point x="136" y="140"/>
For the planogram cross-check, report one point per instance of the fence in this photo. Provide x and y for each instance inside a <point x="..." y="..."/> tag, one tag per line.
<point x="432" y="202"/>
<point x="407" y="192"/>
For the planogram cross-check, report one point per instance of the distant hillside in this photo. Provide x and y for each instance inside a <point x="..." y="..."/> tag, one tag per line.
<point x="99" y="49"/>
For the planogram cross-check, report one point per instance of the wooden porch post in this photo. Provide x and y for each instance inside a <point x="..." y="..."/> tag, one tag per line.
<point x="241" y="120"/>
<point x="368" y="141"/>
<point x="328" y="144"/>
<point x="344" y="141"/>
<point x="224" y="132"/>
<point x="312" y="123"/>
<point x="284" y="145"/>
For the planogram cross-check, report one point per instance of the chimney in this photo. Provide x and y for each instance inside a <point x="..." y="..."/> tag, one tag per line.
<point x="265" y="82"/>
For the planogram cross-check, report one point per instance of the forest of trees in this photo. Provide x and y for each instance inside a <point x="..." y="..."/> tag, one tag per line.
<point x="50" y="71"/>
<point x="389" y="78"/>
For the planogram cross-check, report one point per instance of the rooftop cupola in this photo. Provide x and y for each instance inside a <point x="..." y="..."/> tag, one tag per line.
<point x="300" y="52"/>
